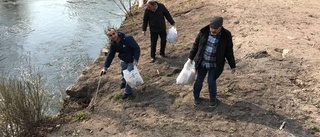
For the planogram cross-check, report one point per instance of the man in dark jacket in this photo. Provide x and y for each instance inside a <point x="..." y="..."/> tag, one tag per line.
<point x="129" y="53"/>
<point x="154" y="15"/>
<point x="211" y="47"/>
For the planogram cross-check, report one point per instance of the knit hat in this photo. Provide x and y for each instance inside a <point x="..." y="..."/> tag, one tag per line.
<point x="216" y="22"/>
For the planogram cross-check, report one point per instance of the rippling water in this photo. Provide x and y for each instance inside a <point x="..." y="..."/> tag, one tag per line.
<point x="60" y="37"/>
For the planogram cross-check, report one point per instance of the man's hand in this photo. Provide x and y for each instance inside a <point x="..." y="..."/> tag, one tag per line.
<point x="144" y="33"/>
<point x="135" y="63"/>
<point x="103" y="71"/>
<point x="233" y="71"/>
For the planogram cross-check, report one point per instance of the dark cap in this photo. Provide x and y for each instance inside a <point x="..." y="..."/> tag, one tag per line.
<point x="216" y="22"/>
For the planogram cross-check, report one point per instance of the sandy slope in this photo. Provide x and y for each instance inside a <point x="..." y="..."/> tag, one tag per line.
<point x="276" y="43"/>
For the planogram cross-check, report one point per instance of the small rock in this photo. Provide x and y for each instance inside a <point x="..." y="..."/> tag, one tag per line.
<point x="285" y="52"/>
<point x="307" y="38"/>
<point x="291" y="38"/>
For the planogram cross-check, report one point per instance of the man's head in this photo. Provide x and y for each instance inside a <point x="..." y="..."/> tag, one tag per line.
<point x="216" y="25"/>
<point x="112" y="34"/>
<point x="151" y="5"/>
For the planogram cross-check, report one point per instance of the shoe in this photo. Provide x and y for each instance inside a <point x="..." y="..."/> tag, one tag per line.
<point x="152" y="60"/>
<point x="124" y="96"/>
<point x="213" y="103"/>
<point x="123" y="85"/>
<point x="196" y="102"/>
<point x="163" y="55"/>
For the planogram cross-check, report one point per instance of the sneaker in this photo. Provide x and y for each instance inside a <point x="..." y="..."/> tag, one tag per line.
<point x="196" y="102"/>
<point x="213" y="103"/>
<point x="163" y="55"/>
<point x="123" y="85"/>
<point x="152" y="60"/>
<point x="124" y="96"/>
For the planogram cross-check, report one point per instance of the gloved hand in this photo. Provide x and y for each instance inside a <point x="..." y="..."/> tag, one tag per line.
<point x="103" y="71"/>
<point x="135" y="63"/>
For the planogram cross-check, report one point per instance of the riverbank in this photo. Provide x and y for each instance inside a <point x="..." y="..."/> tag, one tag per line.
<point x="277" y="78"/>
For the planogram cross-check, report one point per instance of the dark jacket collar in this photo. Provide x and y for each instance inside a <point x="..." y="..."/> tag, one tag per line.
<point x="122" y="35"/>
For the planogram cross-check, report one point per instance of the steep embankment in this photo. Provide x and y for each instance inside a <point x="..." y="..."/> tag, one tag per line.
<point x="276" y="45"/>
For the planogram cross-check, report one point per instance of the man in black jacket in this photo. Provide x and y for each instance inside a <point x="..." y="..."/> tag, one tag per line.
<point x="154" y="15"/>
<point x="211" y="47"/>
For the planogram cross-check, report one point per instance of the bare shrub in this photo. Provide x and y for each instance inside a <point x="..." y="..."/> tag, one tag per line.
<point x="124" y="6"/>
<point x="128" y="7"/>
<point x="22" y="104"/>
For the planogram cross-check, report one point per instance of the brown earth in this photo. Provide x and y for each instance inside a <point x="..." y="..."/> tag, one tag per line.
<point x="276" y="44"/>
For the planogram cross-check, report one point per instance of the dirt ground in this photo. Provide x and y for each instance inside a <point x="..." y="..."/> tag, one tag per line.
<point x="276" y="44"/>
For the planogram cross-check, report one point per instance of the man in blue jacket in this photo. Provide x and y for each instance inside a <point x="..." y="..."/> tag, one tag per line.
<point x="154" y="15"/>
<point x="212" y="47"/>
<point x="128" y="53"/>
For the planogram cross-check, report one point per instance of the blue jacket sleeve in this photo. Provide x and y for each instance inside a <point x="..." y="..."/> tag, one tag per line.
<point x="110" y="57"/>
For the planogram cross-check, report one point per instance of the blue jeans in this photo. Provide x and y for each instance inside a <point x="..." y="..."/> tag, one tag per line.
<point x="202" y="72"/>
<point x="124" y="66"/>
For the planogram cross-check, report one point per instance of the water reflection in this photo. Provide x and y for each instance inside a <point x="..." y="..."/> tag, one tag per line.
<point x="60" y="37"/>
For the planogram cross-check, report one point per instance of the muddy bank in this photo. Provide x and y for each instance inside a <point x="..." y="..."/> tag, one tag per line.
<point x="276" y="82"/>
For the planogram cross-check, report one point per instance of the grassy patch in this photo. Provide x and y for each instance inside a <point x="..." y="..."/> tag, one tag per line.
<point x="161" y="74"/>
<point x="146" y="78"/>
<point x="81" y="115"/>
<point x="117" y="96"/>
<point x="228" y="78"/>
<point x="229" y="90"/>
<point x="232" y="130"/>
<point x="174" y="94"/>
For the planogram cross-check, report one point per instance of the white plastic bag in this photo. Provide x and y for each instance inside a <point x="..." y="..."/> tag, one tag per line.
<point x="133" y="77"/>
<point x="188" y="73"/>
<point x="172" y="34"/>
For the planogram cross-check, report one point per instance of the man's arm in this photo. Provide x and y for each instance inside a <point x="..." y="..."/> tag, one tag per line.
<point x="109" y="57"/>
<point x="229" y="52"/>
<point x="145" y="20"/>
<point x="168" y="16"/>
<point x="195" y="46"/>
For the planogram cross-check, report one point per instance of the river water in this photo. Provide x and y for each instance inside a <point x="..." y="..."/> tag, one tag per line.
<point x="60" y="37"/>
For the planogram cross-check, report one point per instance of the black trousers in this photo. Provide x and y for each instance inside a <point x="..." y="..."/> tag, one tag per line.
<point x="154" y="40"/>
